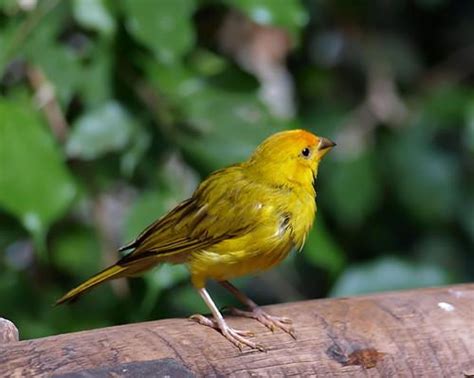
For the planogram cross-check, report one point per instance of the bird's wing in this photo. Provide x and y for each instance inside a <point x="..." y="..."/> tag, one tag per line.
<point x="222" y="207"/>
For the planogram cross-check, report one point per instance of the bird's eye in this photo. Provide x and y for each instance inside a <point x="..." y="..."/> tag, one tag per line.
<point x="306" y="152"/>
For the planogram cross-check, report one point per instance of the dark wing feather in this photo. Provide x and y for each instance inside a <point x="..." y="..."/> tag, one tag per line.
<point x="218" y="210"/>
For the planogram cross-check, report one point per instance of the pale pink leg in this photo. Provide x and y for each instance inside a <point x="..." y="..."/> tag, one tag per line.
<point x="255" y="312"/>
<point x="236" y="337"/>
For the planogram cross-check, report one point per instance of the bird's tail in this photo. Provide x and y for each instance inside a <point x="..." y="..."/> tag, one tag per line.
<point x="110" y="273"/>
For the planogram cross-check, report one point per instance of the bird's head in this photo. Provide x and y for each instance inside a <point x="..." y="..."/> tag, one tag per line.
<point x="292" y="155"/>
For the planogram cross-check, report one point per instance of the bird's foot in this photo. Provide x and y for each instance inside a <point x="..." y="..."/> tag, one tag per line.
<point x="269" y="321"/>
<point x="235" y="336"/>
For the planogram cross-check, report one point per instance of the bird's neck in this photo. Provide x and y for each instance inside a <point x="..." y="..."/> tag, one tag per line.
<point x="290" y="177"/>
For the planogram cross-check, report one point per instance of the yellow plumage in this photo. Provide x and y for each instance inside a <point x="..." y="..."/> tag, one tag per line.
<point x="242" y="219"/>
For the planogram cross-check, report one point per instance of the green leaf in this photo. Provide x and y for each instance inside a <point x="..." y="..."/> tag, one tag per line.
<point x="444" y="107"/>
<point x="322" y="250"/>
<point x="469" y="130"/>
<point x="186" y="301"/>
<point x="175" y="81"/>
<point x="176" y="182"/>
<point x="139" y="144"/>
<point x="387" y="273"/>
<point x="7" y="36"/>
<point x="147" y="208"/>
<point x="177" y="178"/>
<point x="165" y="277"/>
<point x="77" y="251"/>
<point x="426" y="179"/>
<point x="165" y="27"/>
<point x="60" y="64"/>
<point x="96" y="83"/>
<point x="10" y="232"/>
<point x="207" y="63"/>
<point x="94" y="15"/>
<point x="35" y="185"/>
<point x="229" y="127"/>
<point x="9" y="6"/>
<point x="101" y="130"/>
<point x="351" y="187"/>
<point x="62" y="68"/>
<point x="288" y="14"/>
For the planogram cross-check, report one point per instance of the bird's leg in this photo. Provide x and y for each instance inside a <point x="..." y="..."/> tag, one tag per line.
<point x="256" y="312"/>
<point x="236" y="337"/>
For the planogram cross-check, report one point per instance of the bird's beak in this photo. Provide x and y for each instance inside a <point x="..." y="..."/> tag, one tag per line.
<point x="325" y="143"/>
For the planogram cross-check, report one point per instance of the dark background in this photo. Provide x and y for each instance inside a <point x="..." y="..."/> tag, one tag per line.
<point x="112" y="111"/>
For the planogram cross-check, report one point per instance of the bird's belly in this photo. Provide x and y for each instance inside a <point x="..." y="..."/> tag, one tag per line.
<point x="228" y="260"/>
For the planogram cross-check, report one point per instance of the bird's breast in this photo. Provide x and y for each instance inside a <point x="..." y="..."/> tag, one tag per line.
<point x="279" y="228"/>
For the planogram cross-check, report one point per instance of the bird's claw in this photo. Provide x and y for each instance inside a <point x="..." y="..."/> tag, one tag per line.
<point x="201" y="319"/>
<point x="269" y="321"/>
<point x="235" y="336"/>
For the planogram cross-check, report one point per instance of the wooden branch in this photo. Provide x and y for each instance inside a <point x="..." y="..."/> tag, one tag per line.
<point x="424" y="332"/>
<point x="47" y="101"/>
<point x="8" y="331"/>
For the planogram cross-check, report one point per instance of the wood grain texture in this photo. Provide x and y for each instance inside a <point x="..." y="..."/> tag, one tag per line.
<point x="8" y="331"/>
<point x="425" y="332"/>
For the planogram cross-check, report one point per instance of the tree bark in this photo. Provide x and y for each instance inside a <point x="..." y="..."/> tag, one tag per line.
<point x="8" y="331"/>
<point x="424" y="332"/>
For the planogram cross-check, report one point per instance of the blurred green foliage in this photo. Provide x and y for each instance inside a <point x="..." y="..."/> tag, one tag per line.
<point x="111" y="113"/>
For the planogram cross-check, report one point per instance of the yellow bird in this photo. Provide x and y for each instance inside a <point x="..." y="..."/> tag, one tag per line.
<point x="242" y="219"/>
